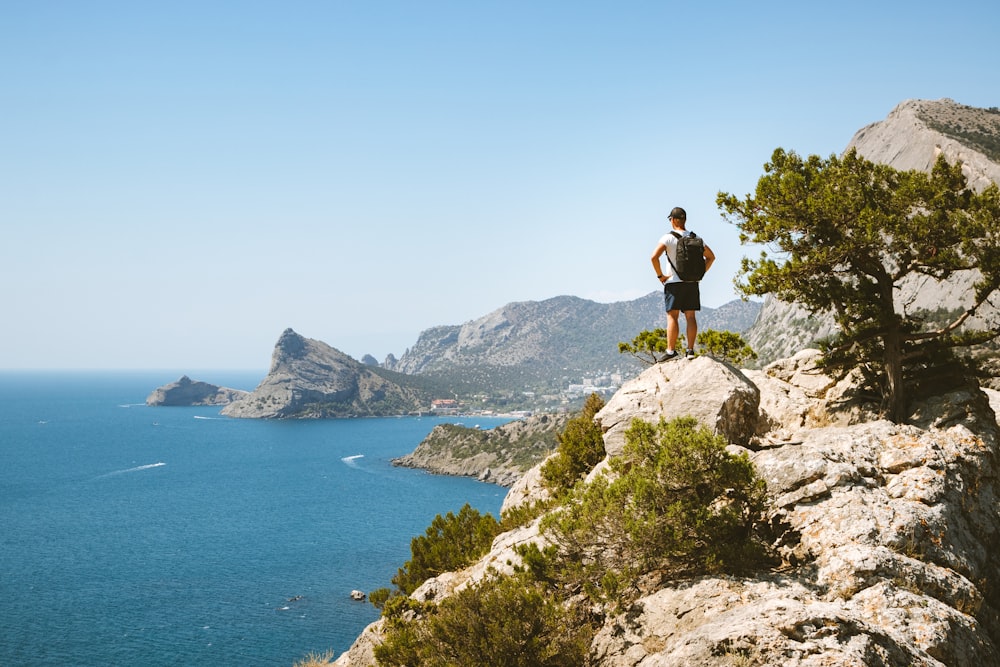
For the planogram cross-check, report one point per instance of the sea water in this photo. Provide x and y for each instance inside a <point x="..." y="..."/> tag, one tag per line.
<point x="133" y="535"/>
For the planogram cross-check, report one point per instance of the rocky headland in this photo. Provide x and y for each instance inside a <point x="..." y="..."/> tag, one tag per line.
<point x="888" y="534"/>
<point x="188" y="392"/>
<point x="310" y="379"/>
<point x="501" y="455"/>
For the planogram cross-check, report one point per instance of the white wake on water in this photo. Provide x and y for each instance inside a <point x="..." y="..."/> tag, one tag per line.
<point x="135" y="469"/>
<point x="350" y="460"/>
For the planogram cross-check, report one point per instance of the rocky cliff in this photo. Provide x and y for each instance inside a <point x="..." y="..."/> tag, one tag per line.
<point x="310" y="379"/>
<point x="500" y="455"/>
<point x="888" y="535"/>
<point x="192" y="392"/>
<point x="913" y="135"/>
<point x="916" y="132"/>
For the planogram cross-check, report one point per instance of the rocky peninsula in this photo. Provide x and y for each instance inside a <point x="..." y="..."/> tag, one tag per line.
<point x="310" y="379"/>
<point x="501" y="455"/>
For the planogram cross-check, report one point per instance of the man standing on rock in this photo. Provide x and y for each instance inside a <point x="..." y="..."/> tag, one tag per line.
<point x="679" y="295"/>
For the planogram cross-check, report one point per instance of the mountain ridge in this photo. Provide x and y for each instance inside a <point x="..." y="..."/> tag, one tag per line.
<point x="560" y="337"/>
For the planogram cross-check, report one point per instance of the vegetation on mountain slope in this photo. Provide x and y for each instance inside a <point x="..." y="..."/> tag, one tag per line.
<point x="581" y="447"/>
<point x="450" y="543"/>
<point x="976" y="128"/>
<point x="675" y="504"/>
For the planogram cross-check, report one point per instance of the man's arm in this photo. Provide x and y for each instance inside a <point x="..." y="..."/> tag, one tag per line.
<point x="660" y="249"/>
<point x="709" y="258"/>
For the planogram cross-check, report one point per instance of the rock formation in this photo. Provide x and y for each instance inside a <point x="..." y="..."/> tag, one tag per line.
<point x="188" y="392"/>
<point x="889" y="535"/>
<point x="916" y="132"/>
<point x="500" y="455"/>
<point x="310" y="379"/>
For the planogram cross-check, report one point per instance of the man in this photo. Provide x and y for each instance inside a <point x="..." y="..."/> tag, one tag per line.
<point x="678" y="296"/>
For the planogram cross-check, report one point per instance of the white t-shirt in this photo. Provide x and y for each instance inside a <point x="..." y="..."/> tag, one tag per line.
<point x="670" y="241"/>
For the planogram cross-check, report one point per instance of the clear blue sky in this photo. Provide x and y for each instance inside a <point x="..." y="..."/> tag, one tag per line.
<point x="181" y="181"/>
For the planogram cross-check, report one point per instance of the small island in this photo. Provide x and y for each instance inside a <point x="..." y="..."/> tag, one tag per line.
<point x="188" y="392"/>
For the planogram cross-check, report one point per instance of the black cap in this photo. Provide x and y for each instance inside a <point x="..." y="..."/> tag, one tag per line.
<point x="679" y="213"/>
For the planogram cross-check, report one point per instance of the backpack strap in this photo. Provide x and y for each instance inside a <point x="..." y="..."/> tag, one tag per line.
<point x="667" y="253"/>
<point x="671" y="264"/>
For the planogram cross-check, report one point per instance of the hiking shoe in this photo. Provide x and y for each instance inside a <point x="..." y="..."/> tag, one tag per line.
<point x="670" y="355"/>
<point x="690" y="354"/>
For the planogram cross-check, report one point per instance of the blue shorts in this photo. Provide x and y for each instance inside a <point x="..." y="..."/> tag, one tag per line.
<point x="681" y="296"/>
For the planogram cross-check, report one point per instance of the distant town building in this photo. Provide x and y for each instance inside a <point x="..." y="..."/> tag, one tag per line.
<point x="444" y="406"/>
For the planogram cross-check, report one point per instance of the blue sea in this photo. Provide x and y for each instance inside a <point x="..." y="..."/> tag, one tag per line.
<point x="132" y="535"/>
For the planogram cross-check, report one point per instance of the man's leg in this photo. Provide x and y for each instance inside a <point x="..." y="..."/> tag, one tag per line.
<point x="672" y="329"/>
<point x="692" y="328"/>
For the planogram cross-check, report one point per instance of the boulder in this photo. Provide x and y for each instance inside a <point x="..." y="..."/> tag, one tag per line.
<point x="362" y="651"/>
<point x="713" y="392"/>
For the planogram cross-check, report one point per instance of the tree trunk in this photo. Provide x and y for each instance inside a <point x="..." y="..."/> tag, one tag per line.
<point x="895" y="396"/>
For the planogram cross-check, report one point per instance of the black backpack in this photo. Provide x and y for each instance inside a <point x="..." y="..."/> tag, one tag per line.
<point x="690" y="266"/>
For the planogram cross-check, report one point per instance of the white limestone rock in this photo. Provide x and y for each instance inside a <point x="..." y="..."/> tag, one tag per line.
<point x="716" y="394"/>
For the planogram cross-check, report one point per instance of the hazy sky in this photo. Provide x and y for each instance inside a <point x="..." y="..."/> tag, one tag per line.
<point x="181" y="181"/>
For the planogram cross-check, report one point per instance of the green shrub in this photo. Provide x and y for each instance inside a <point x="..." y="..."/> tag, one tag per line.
<point x="449" y="543"/>
<point x="523" y="514"/>
<point x="649" y="347"/>
<point x="676" y="503"/>
<point x="726" y="345"/>
<point x="504" y="621"/>
<point x="379" y="597"/>
<point x="581" y="447"/>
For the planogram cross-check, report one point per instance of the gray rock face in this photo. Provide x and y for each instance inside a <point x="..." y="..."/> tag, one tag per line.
<point x="310" y="379"/>
<point x="187" y="392"/>
<point x="889" y="535"/>
<point x="914" y="134"/>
